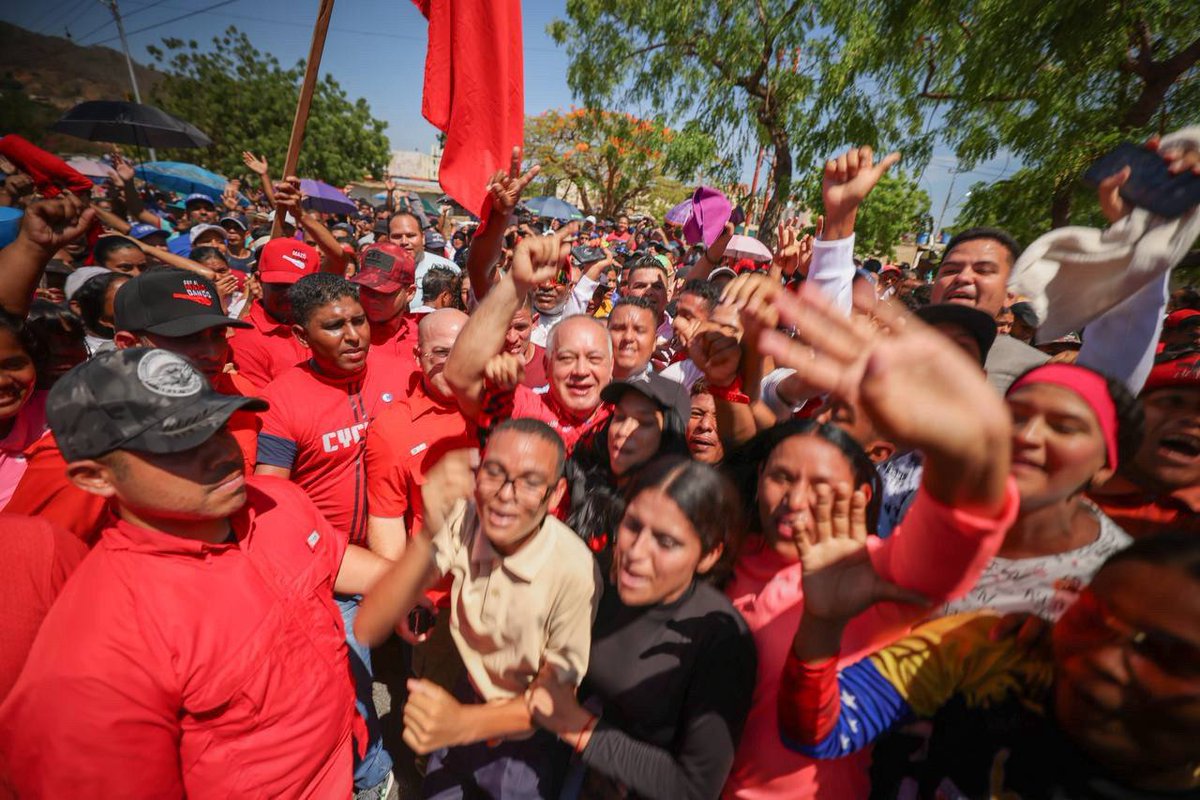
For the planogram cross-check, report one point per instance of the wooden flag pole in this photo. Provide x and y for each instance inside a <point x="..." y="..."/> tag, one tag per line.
<point x="300" y="122"/>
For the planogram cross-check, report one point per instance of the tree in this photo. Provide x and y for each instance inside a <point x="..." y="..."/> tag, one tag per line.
<point x="748" y="73"/>
<point x="1018" y="204"/>
<point x="244" y="100"/>
<point x="1056" y="85"/>
<point x="896" y="206"/>
<point x="611" y="158"/>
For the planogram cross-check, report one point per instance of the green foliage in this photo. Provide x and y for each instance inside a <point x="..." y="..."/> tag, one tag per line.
<point x="748" y="73"/>
<point x="244" y="100"/>
<point x="612" y="159"/>
<point x="895" y="207"/>
<point x="1018" y="205"/>
<point x="1056" y="84"/>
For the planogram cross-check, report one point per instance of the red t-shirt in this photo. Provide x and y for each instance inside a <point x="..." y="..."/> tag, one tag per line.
<point x="36" y="558"/>
<point x="535" y="369"/>
<point x="169" y="667"/>
<point x="46" y="492"/>
<point x="400" y="344"/>
<point x="525" y="403"/>
<point x="404" y="443"/>
<point x="267" y="350"/>
<point x="1144" y="514"/>
<point x="316" y="426"/>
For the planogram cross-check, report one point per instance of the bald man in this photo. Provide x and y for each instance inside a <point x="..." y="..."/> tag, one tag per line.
<point x="404" y="442"/>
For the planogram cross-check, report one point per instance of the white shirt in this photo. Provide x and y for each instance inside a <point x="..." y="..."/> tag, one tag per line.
<point x="429" y="260"/>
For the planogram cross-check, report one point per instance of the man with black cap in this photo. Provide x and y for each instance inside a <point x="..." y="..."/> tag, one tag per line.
<point x="196" y="651"/>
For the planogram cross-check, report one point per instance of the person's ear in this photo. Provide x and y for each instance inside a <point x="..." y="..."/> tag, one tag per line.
<point x="710" y="559"/>
<point x="556" y="495"/>
<point x="92" y="477"/>
<point x="123" y="340"/>
<point x="74" y="306"/>
<point x="300" y="334"/>
<point x="880" y="450"/>
<point x="1101" y="477"/>
<point x="866" y="490"/>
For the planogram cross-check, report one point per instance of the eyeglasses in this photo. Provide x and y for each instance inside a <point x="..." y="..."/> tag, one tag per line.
<point x="437" y="354"/>
<point x="493" y="478"/>
<point x="1094" y="622"/>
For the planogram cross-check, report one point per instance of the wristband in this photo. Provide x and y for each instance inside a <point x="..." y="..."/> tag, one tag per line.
<point x="588" y="726"/>
<point x="730" y="394"/>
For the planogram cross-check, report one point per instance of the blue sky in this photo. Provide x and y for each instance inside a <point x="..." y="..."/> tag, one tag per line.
<point x="376" y="50"/>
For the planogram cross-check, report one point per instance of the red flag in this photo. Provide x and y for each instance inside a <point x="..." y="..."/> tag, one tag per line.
<point x="474" y="91"/>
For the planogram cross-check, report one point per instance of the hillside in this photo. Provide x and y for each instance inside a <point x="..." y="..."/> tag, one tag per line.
<point x="43" y="76"/>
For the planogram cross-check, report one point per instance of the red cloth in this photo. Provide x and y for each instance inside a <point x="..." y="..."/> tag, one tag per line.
<point x="315" y="427"/>
<point x="535" y="369"/>
<point x="401" y="344"/>
<point x="51" y="175"/>
<point x="169" y="667"/>
<point x="474" y="91"/>
<point x="267" y="350"/>
<point x="525" y="403"/>
<point x="36" y="558"/>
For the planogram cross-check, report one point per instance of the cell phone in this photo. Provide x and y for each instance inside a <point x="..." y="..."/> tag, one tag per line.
<point x="1151" y="185"/>
<point x="737" y="216"/>
<point x="421" y="620"/>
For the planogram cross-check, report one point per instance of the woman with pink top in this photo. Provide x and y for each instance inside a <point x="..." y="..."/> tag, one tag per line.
<point x="22" y="405"/>
<point x="921" y="391"/>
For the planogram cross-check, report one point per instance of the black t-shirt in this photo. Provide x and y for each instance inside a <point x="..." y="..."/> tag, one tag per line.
<point x="674" y="684"/>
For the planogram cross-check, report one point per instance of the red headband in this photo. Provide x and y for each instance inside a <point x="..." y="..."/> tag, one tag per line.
<point x="1089" y="385"/>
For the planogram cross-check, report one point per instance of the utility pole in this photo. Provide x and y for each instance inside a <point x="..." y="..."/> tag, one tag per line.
<point x="137" y="95"/>
<point x="938" y="234"/>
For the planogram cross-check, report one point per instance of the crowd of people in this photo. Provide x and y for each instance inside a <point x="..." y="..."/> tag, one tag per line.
<point x="640" y="518"/>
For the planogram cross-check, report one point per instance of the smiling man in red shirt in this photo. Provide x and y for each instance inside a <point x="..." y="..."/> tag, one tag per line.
<point x="197" y="650"/>
<point x="266" y="350"/>
<point x="313" y="435"/>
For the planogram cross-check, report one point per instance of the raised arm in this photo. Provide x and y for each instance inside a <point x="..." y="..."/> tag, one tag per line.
<point x="258" y="165"/>
<point x="712" y="256"/>
<point x="47" y="226"/>
<point x="504" y="191"/>
<point x="173" y="259"/>
<point x="289" y="199"/>
<point x="536" y="259"/>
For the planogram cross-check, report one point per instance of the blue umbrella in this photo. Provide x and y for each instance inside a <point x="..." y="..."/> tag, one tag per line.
<point x="553" y="208"/>
<point x="183" y="178"/>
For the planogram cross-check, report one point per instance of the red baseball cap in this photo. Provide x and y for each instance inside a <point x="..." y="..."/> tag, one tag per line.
<point x="287" y="261"/>
<point x="386" y="268"/>
<point x="1180" y="372"/>
<point x="1177" y="318"/>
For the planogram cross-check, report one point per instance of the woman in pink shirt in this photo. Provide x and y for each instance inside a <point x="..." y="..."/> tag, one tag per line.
<point x="920" y="390"/>
<point x="22" y="406"/>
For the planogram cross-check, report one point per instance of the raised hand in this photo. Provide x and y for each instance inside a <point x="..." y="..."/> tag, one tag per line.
<point x="52" y="224"/>
<point x="504" y="371"/>
<point x="505" y="189"/>
<point x="256" y="164"/>
<point x="849" y="178"/>
<point x="289" y="197"/>
<point x="839" y="580"/>
<point x="717" y="352"/>
<point x="1114" y="207"/>
<point x="538" y="259"/>
<point x="122" y="167"/>
<point x="753" y="296"/>
<point x="450" y="480"/>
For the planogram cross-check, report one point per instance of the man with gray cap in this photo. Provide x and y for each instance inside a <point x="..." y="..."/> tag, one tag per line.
<point x="196" y="651"/>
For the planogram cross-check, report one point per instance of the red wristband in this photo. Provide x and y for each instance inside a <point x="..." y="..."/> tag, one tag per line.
<point x="730" y="394"/>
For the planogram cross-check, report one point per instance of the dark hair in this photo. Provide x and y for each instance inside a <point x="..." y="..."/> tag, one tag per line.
<point x="46" y="319"/>
<point x="107" y="245"/>
<point x="24" y="335"/>
<point x="207" y="251"/>
<point x="637" y="302"/>
<point x="703" y="289"/>
<point x="313" y="291"/>
<point x="996" y="234"/>
<point x="705" y="496"/>
<point x="646" y="261"/>
<point x="1175" y="549"/>
<point x="90" y="299"/>
<point x="745" y="463"/>
<point x="539" y="430"/>
<point x="438" y="280"/>
<point x="1130" y="418"/>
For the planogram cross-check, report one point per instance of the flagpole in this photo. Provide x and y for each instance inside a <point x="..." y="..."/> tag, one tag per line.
<point x="300" y="121"/>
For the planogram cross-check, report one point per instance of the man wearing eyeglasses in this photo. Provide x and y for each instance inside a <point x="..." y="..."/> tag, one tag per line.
<point x="524" y="592"/>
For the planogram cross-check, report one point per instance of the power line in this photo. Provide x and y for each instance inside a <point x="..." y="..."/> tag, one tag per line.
<point x="94" y="30"/>
<point x="47" y="15"/>
<point x="71" y="15"/>
<point x="181" y="17"/>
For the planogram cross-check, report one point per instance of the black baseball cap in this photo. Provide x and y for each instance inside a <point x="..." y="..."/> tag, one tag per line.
<point x="980" y="325"/>
<point x="141" y="399"/>
<point x="170" y="302"/>
<point x="667" y="394"/>
<point x="586" y="255"/>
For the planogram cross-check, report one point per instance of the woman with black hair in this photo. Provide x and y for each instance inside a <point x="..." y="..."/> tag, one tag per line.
<point x="22" y="404"/>
<point x="93" y="302"/>
<point x="59" y="336"/>
<point x="671" y="669"/>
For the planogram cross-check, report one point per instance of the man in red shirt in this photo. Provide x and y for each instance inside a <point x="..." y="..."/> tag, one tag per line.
<point x="622" y="234"/>
<point x="313" y="435"/>
<point x="519" y="341"/>
<point x="386" y="283"/>
<point x="579" y="354"/>
<point x="1159" y="490"/>
<point x="197" y="650"/>
<point x="404" y="442"/>
<point x="169" y="309"/>
<point x="266" y="350"/>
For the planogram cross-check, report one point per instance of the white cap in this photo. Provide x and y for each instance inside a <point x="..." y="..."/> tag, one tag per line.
<point x="590" y="218"/>
<point x="199" y="230"/>
<point x="79" y="277"/>
<point x="722" y="271"/>
<point x="288" y="218"/>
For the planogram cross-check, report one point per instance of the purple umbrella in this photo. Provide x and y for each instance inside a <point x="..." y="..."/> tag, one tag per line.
<point x="320" y="196"/>
<point x="680" y="213"/>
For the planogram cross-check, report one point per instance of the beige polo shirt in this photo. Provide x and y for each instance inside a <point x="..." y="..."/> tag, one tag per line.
<point x="510" y="614"/>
